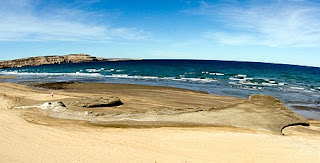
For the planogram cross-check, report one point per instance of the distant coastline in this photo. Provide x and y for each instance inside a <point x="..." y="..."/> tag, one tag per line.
<point x="56" y="59"/>
<point x="80" y="58"/>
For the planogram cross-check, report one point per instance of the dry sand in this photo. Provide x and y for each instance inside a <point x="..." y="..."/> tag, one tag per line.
<point x="31" y="136"/>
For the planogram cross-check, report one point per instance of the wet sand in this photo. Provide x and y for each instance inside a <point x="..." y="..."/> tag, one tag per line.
<point x="184" y="126"/>
<point x="4" y="77"/>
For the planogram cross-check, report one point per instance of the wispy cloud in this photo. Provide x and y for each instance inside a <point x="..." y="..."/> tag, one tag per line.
<point x="284" y="23"/>
<point x="131" y="33"/>
<point x="32" y="20"/>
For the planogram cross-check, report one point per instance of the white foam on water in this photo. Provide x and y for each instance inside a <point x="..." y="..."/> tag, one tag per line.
<point x="216" y="73"/>
<point x="49" y="74"/>
<point x="255" y="83"/>
<point x="297" y="88"/>
<point x="126" y="76"/>
<point x="272" y="81"/>
<point x="206" y="80"/>
<point x="268" y="84"/>
<point x="234" y="83"/>
<point x="241" y="75"/>
<point x="119" y="75"/>
<point x="219" y="74"/>
<point x="111" y="70"/>
<point x="236" y="80"/>
<point x="169" y="78"/>
<point x="249" y="83"/>
<point x="93" y="70"/>
<point x="232" y="78"/>
<point x="147" y="77"/>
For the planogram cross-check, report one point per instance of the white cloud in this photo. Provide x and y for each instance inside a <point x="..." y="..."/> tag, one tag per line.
<point x="131" y="33"/>
<point x="267" y="23"/>
<point x="29" y="20"/>
<point x="232" y="39"/>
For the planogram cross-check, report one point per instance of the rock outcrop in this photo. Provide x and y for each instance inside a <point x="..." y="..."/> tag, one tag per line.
<point x="258" y="112"/>
<point x="97" y="102"/>
<point x="57" y="106"/>
<point x="53" y="106"/>
<point x="43" y="60"/>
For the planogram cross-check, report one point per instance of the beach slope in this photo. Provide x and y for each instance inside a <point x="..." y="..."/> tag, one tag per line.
<point x="34" y="135"/>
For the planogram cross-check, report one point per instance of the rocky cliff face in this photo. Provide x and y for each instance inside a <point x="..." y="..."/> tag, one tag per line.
<point x="36" y="61"/>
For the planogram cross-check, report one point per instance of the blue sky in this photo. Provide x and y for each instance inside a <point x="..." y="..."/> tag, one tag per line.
<point x="277" y="31"/>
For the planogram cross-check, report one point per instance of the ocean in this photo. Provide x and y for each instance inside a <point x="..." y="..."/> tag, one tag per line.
<point x="297" y="86"/>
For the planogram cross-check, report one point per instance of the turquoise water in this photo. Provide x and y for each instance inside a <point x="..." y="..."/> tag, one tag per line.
<point x="294" y="85"/>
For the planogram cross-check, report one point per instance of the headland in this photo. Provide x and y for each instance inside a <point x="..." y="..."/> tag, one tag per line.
<point x="55" y="59"/>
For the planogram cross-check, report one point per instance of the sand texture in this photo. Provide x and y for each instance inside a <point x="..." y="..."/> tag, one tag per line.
<point x="153" y="124"/>
<point x="161" y="106"/>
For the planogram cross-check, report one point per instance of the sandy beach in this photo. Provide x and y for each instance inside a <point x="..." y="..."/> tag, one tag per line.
<point x="154" y="124"/>
<point x="182" y="81"/>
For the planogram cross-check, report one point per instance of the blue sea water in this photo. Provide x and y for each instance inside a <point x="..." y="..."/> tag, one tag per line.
<point x="294" y="85"/>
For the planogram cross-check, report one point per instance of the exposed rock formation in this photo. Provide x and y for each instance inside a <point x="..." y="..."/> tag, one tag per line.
<point x="42" y="60"/>
<point x="47" y="106"/>
<point x="54" y="106"/>
<point x="279" y="115"/>
<point x="97" y="102"/>
<point x="159" y="106"/>
<point x="150" y="106"/>
<point x="55" y="86"/>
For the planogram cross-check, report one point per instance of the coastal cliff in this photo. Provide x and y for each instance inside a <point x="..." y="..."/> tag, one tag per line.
<point x="44" y="60"/>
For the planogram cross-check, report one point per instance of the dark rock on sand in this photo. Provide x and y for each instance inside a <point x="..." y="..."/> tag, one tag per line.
<point x="97" y="102"/>
<point x="56" y="85"/>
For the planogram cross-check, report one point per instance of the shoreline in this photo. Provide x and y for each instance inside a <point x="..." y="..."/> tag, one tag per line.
<point x="304" y="111"/>
<point x="308" y="112"/>
<point x="219" y="80"/>
<point x="156" y="106"/>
